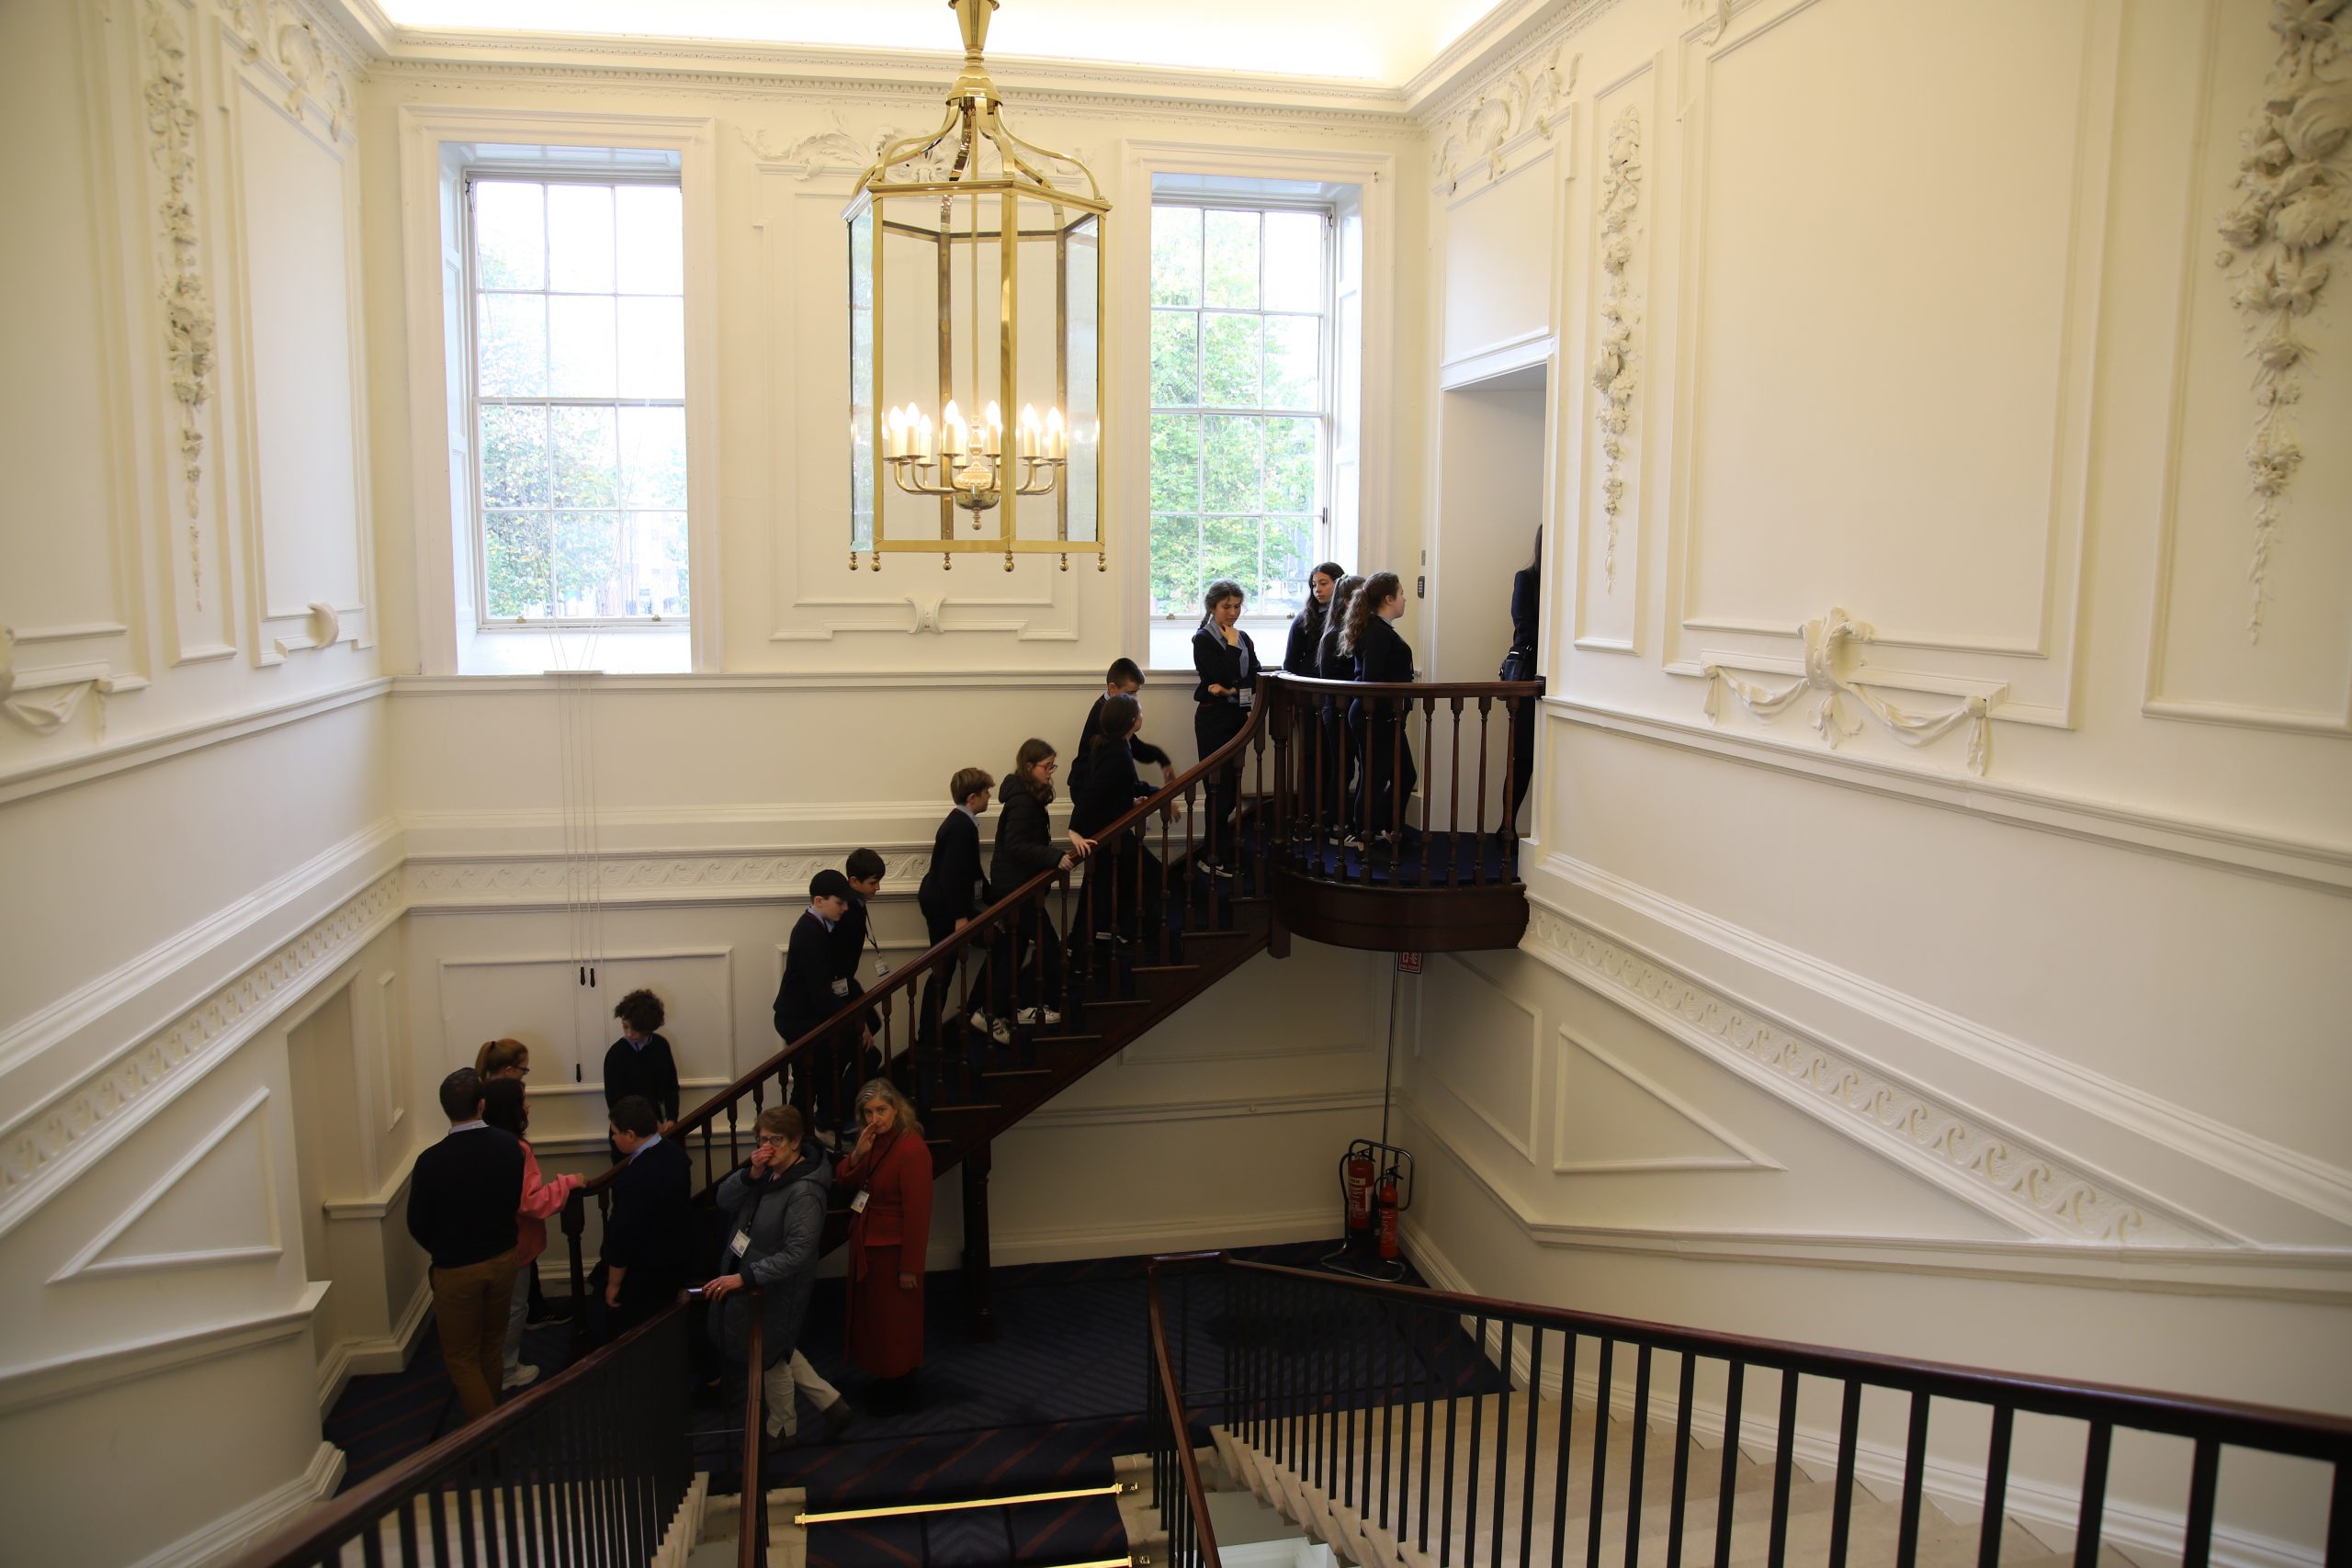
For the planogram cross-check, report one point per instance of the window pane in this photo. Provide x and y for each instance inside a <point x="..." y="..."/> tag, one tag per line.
<point x="652" y="348"/>
<point x="1175" y="256"/>
<point x="583" y="464"/>
<point x="580" y="346"/>
<point x="1229" y="548"/>
<point x="1289" y="556"/>
<point x="1295" y="261"/>
<point x="515" y="580"/>
<point x="1175" y="564"/>
<point x="1293" y="361"/>
<point x="653" y="458"/>
<point x="509" y="235"/>
<point x="1230" y="471"/>
<point x="657" y="564"/>
<point x="1229" y="357"/>
<point x="513" y="457"/>
<point x="511" y="345"/>
<point x="1290" y="465"/>
<point x="585" y="555"/>
<point x="1175" y="462"/>
<point x="579" y="239"/>
<point x="1231" y="242"/>
<point x="1175" y="374"/>
<point x="650" y="224"/>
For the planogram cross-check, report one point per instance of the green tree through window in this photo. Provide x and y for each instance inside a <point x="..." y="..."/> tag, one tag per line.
<point x="1240" y="415"/>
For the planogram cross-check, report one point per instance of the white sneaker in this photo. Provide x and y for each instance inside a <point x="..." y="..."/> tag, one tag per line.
<point x="1001" y="1031"/>
<point x="1040" y="1015"/>
<point x="523" y="1376"/>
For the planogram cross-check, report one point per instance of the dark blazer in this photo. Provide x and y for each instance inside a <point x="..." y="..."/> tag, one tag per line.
<point x="1106" y="790"/>
<point x="955" y="887"/>
<point x="463" y="1196"/>
<point x="849" y="937"/>
<point x="1305" y="638"/>
<point x="1143" y="750"/>
<point x="1524" y="609"/>
<point x="649" y="1069"/>
<point x="651" y="1229"/>
<point x="806" y="998"/>
<point x="1383" y="655"/>
<point x="1218" y="662"/>
<point x="1026" y="844"/>
<point x="1331" y="664"/>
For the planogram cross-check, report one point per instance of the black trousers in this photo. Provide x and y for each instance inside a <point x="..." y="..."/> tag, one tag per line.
<point x="942" y="992"/>
<point x="1215" y="723"/>
<point x="1391" y="775"/>
<point x="1028" y="935"/>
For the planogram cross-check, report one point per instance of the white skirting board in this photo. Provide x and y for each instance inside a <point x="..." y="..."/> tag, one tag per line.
<point x="369" y="1358"/>
<point x="273" y="1510"/>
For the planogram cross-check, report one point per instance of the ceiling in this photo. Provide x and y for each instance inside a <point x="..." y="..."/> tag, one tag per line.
<point x="1385" y="43"/>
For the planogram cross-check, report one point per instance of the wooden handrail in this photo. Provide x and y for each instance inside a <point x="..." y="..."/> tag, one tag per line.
<point x="1202" y="1533"/>
<point x="2305" y="1433"/>
<point x="379" y="1495"/>
<point x="938" y="956"/>
<point x="1312" y="686"/>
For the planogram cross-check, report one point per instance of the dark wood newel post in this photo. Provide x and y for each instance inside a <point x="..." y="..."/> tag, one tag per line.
<point x="575" y="1217"/>
<point x="979" y="1309"/>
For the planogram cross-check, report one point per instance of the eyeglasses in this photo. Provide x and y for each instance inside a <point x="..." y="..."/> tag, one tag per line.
<point x="770" y="1140"/>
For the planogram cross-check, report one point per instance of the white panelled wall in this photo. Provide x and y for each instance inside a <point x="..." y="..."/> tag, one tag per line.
<point x="1941" y="851"/>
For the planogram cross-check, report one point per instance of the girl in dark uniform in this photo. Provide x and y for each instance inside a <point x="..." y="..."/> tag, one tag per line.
<point x="1381" y="656"/>
<point x="1226" y="662"/>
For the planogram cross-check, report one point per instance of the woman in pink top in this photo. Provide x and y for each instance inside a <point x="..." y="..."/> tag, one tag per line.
<point x="503" y="1108"/>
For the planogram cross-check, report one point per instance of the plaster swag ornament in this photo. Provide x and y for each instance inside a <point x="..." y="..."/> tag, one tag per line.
<point x="1614" y="375"/>
<point x="830" y="151"/>
<point x="189" y="324"/>
<point x="2294" y="195"/>
<point x="1834" y="673"/>
<point x="1535" y="97"/>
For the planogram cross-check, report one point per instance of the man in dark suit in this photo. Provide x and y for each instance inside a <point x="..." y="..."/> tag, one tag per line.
<point x="953" y="889"/>
<point x="813" y="990"/>
<point x="462" y="1201"/>
<point x="649" y="1236"/>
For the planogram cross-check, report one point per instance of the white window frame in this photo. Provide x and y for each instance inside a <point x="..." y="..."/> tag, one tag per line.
<point x="1325" y="410"/>
<point x="438" y="145"/>
<point x="1355" y="541"/>
<point x="552" y="174"/>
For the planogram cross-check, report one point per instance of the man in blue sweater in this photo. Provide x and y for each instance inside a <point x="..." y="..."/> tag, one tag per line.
<point x="462" y="1201"/>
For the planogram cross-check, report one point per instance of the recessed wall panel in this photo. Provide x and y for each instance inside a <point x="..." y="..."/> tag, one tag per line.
<point x="1499" y="261"/>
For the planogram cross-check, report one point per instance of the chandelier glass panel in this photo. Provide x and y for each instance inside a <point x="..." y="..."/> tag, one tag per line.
<point x="976" y="339"/>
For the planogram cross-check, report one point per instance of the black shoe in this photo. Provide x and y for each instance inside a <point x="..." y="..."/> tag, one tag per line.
<point x="549" y="1316"/>
<point x="838" y="1416"/>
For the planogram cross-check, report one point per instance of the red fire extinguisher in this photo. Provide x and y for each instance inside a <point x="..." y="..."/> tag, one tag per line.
<point x="1356" y="1175"/>
<point x="1388" y="1206"/>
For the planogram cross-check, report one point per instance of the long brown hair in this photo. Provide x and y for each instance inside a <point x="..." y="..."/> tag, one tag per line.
<point x="1033" y="752"/>
<point x="1364" y="609"/>
<point x="1122" y="716"/>
<point x="1343" y="593"/>
<point x="496" y="1055"/>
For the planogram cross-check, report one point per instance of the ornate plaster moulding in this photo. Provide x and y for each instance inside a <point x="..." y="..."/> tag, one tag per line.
<point x="2293" y="199"/>
<point x="291" y="38"/>
<point x="66" y="684"/>
<point x="2036" y="1188"/>
<point x="1533" y="97"/>
<point x="622" y="877"/>
<point x="65" y="1132"/>
<point x="1615" y="371"/>
<point x="188" y="322"/>
<point x="1837" y="677"/>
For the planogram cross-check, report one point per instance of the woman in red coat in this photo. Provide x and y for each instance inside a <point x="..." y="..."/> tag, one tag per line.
<point x="890" y="1172"/>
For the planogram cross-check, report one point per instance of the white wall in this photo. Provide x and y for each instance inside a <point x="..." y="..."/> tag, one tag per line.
<point x="1973" y="1053"/>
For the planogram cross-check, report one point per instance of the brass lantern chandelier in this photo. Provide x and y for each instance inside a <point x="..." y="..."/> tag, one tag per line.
<point x="976" y="339"/>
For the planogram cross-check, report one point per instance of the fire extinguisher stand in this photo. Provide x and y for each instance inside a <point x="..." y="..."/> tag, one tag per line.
<point x="1375" y="1187"/>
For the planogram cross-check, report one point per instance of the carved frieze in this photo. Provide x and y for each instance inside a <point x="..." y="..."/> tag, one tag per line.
<point x="1615" y="372"/>
<point x="2051" y="1193"/>
<point x="1533" y="96"/>
<point x="2293" y="198"/>
<point x="1835" y="676"/>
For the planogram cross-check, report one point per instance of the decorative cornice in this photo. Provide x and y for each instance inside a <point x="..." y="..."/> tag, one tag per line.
<point x="190" y="328"/>
<point x="64" y="1132"/>
<point x="1615" y="372"/>
<point x="1832" y="669"/>
<point x="615" y="878"/>
<point x="1533" y="95"/>
<point x="2294" y="198"/>
<point x="2039" y="1191"/>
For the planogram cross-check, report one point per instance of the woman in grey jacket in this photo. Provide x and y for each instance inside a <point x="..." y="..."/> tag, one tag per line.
<point x="776" y="1206"/>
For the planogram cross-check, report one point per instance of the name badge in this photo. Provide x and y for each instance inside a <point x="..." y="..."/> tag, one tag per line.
<point x="1244" y="695"/>
<point x="741" y="1244"/>
<point x="857" y="1204"/>
<point x="841" y="988"/>
<point x="881" y="968"/>
<point x="980" y="892"/>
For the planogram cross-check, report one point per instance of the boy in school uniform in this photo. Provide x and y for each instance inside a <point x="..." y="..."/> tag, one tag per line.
<point x="1124" y="679"/>
<point x="814" y="989"/>
<point x="648" y="1234"/>
<point x="640" y="1062"/>
<point x="955" y="889"/>
<point x="854" y="936"/>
